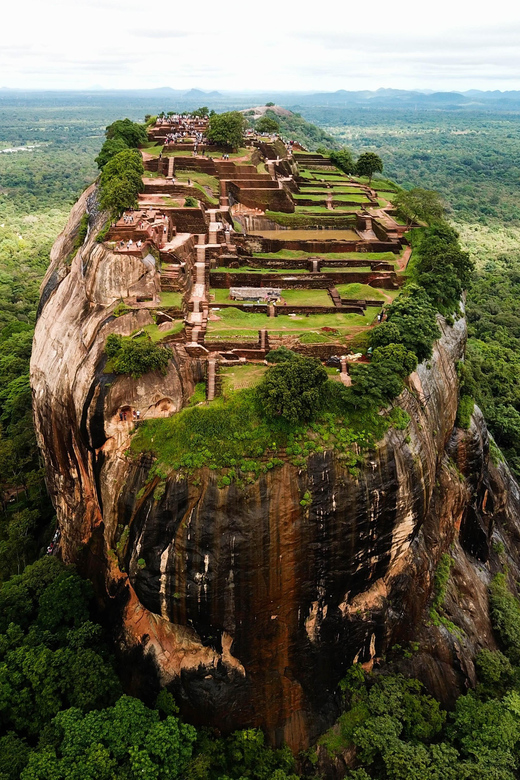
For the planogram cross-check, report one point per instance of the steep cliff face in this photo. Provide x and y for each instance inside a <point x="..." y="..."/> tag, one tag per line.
<point x="248" y="604"/>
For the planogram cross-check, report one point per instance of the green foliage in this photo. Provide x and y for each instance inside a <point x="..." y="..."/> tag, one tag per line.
<point x="233" y="436"/>
<point x="130" y="740"/>
<point x="505" y="616"/>
<point x="442" y="268"/>
<point x="279" y="355"/>
<point x="343" y="160"/>
<point x="442" y="576"/>
<point x="190" y="202"/>
<point x="411" y="321"/>
<point x="200" y="112"/>
<point x="227" y="129"/>
<point x="464" y="411"/>
<point x="369" y="163"/>
<point x="383" y="379"/>
<point x="110" y="148"/>
<point x="51" y="654"/>
<point x="419" y="204"/>
<point x="267" y="125"/>
<point x="132" y="133"/>
<point x="292" y="389"/>
<point x="121" y="182"/>
<point x="495" y="673"/>
<point x="136" y="356"/>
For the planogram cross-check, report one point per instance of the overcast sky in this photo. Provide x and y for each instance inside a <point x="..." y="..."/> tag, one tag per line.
<point x="283" y="45"/>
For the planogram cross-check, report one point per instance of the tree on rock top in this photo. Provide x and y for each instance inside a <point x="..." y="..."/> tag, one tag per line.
<point x="267" y="125"/>
<point x="293" y="389"/>
<point x="368" y="164"/>
<point x="121" y="182"/>
<point x="132" y="133"/>
<point x="227" y="129"/>
<point x="417" y="203"/>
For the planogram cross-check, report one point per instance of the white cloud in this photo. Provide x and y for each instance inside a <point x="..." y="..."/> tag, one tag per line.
<point x="272" y="45"/>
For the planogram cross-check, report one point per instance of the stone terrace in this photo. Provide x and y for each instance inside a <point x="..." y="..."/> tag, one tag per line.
<point x="282" y="248"/>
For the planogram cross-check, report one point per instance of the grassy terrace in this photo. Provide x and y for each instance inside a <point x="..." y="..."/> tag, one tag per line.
<point x="171" y="300"/>
<point x="249" y="270"/>
<point x="296" y="254"/>
<point x="303" y="297"/>
<point x="202" y="179"/>
<point x="156" y="334"/>
<point x="365" y="291"/>
<point x="241" y="377"/>
<point x="231" y="437"/>
<point x="235" y="324"/>
<point x="322" y="210"/>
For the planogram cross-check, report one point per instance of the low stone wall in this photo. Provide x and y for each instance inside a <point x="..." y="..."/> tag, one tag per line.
<point x="264" y="199"/>
<point x="188" y="220"/>
<point x="319" y="245"/>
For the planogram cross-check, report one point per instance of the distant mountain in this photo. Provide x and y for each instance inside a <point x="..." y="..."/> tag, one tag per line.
<point x="195" y="94"/>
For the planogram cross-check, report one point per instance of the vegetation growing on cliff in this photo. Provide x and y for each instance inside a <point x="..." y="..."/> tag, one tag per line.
<point x="121" y="182"/>
<point x="135" y="356"/>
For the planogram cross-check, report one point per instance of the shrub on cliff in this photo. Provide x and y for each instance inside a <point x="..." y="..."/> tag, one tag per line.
<point x="342" y="159"/>
<point x="120" y="135"/>
<point x="110" y="148"/>
<point x="293" y="389"/>
<point x="227" y="129"/>
<point x="411" y="321"/>
<point x="382" y="380"/>
<point x="280" y="354"/>
<point x="121" y="182"/>
<point x="132" y="133"/>
<point x="136" y="357"/>
<point x="442" y="268"/>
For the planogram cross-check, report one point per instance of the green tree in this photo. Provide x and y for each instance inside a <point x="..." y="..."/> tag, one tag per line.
<point x="343" y="160"/>
<point x="417" y="203"/>
<point x="367" y="164"/>
<point x="200" y="112"/>
<point x="127" y="740"/>
<point x="227" y="129"/>
<point x="411" y="321"/>
<point x="121" y="182"/>
<point x="132" y="133"/>
<point x="267" y="125"/>
<point x="110" y="148"/>
<point x="293" y="389"/>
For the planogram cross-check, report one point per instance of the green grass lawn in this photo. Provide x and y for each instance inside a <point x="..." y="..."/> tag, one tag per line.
<point x="319" y="198"/>
<point x="361" y="291"/>
<point x="154" y="149"/>
<point x="321" y="210"/>
<point x="296" y="254"/>
<point x="241" y="377"/>
<point x="365" y="291"/>
<point x="357" y="270"/>
<point x="352" y="198"/>
<point x="157" y="335"/>
<point x="306" y="298"/>
<point x="220" y="296"/>
<point x="171" y="299"/>
<point x="204" y="179"/>
<point x="238" y="325"/>
<point x="249" y="270"/>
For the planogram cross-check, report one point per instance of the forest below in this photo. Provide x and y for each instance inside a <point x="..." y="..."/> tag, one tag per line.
<point x="58" y="675"/>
